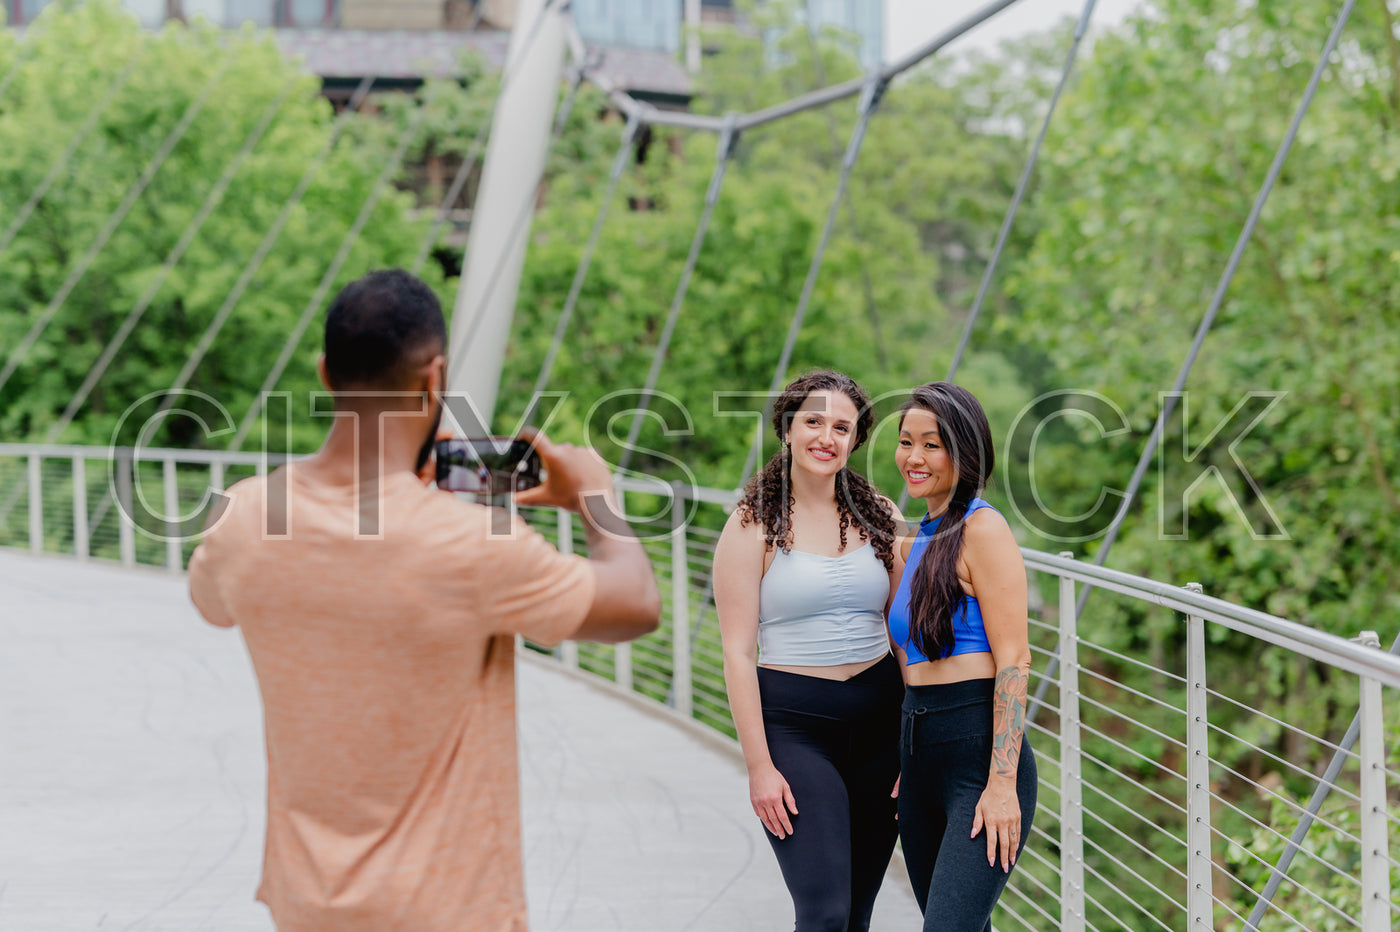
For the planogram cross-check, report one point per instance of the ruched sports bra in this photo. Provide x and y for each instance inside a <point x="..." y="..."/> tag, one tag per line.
<point x="969" y="631"/>
<point x="816" y="611"/>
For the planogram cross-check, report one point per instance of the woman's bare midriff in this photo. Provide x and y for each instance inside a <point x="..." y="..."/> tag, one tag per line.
<point x="840" y="671"/>
<point x="953" y="669"/>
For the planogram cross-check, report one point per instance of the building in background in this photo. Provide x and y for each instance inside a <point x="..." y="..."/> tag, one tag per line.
<point x="660" y="24"/>
<point x="344" y="39"/>
<point x="397" y="42"/>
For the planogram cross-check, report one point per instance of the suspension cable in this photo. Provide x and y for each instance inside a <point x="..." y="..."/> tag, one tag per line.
<point x="728" y="139"/>
<point x="113" y="221"/>
<point x="207" y="339"/>
<point x="1080" y="29"/>
<point x="870" y="99"/>
<point x="1169" y="405"/>
<point x="1305" y="821"/>
<point x="211" y="201"/>
<point x="479" y="139"/>
<point x="59" y="166"/>
<point x="872" y="310"/>
<point x="517" y="226"/>
<point x="391" y="168"/>
<point x="255" y="262"/>
<point x="624" y="152"/>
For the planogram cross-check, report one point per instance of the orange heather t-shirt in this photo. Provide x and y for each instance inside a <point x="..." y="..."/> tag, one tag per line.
<point x="383" y="642"/>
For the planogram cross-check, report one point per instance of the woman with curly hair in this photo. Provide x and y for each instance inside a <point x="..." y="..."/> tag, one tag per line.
<point x="803" y="572"/>
<point x="967" y="786"/>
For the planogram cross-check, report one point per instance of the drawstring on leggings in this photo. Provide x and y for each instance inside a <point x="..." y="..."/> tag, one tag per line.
<point x="906" y="727"/>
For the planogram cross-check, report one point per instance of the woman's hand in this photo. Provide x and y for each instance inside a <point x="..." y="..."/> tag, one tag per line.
<point x="772" y="799"/>
<point x="999" y="812"/>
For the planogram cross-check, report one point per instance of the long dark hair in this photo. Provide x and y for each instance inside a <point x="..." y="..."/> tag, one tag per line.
<point x="768" y="496"/>
<point x="934" y="590"/>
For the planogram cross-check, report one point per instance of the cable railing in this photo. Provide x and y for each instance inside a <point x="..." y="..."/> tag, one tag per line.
<point x="1174" y="780"/>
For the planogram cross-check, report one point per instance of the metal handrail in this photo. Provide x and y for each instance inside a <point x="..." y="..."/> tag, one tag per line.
<point x="1320" y="645"/>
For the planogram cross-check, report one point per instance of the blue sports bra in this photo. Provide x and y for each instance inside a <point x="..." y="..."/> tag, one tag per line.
<point x="817" y="611"/>
<point x="969" y="632"/>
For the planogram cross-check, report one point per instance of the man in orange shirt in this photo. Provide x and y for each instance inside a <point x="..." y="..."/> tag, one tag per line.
<point x="380" y="615"/>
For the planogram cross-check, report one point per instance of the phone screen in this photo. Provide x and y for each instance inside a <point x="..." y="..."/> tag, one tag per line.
<point x="491" y="465"/>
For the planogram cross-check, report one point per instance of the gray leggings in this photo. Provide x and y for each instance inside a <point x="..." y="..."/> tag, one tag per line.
<point x="945" y="753"/>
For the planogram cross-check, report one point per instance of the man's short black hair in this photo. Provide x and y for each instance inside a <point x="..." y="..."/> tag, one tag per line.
<point x="380" y="328"/>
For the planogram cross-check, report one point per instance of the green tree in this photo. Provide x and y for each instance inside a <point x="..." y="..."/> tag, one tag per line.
<point x="1147" y="180"/>
<point x="878" y="310"/>
<point x="1162" y="148"/>
<point x="93" y="58"/>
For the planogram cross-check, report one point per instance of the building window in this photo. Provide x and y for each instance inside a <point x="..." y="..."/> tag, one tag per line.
<point x="307" y="13"/>
<point x="20" y="12"/>
<point x="304" y="14"/>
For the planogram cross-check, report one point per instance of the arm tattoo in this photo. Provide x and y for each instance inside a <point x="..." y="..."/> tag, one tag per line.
<point x="1008" y="720"/>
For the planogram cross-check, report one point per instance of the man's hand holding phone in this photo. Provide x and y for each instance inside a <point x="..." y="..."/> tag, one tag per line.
<point x="626" y="603"/>
<point x="574" y="478"/>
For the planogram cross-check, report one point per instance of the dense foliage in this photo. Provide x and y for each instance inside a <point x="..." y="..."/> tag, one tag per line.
<point x="95" y="110"/>
<point x="1163" y="139"/>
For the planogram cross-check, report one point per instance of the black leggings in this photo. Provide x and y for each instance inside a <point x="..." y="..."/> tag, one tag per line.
<point x="945" y="752"/>
<point x="836" y="742"/>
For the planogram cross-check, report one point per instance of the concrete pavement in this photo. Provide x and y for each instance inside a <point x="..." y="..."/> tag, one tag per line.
<point x="132" y="769"/>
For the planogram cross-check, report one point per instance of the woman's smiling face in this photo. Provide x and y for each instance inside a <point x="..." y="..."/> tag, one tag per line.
<point x="923" y="458"/>
<point x="822" y="432"/>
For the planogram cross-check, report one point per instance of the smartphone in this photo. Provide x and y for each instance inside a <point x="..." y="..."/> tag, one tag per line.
<point x="490" y="465"/>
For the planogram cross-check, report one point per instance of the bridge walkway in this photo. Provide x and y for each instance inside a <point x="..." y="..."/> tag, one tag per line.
<point x="133" y="774"/>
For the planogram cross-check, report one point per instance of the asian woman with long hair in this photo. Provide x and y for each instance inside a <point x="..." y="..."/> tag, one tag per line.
<point x="967" y="785"/>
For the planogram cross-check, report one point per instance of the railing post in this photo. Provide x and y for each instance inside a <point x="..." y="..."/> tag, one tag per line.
<point x="622" y="653"/>
<point x="36" y="505"/>
<point x="680" y="604"/>
<point x="622" y="665"/>
<point x="1375" y="867"/>
<point x="81" y="548"/>
<point x="568" y="651"/>
<point x="1072" y="911"/>
<point x="1200" y="904"/>
<point x="126" y="528"/>
<point x="172" y="523"/>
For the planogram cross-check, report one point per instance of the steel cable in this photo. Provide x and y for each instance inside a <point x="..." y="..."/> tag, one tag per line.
<point x="727" y="140"/>
<point x="113" y="221"/>
<point x="58" y="167"/>
<point x="1022" y="185"/>
<point x="1009" y="220"/>
<point x="624" y="151"/>
<point x="870" y="99"/>
<point x="1208" y="319"/>
<point x="254" y="264"/>
<point x="133" y="317"/>
<point x="479" y="138"/>
<point x="347" y="243"/>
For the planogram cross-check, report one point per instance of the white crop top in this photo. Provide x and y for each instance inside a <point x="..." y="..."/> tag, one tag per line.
<point x="816" y="611"/>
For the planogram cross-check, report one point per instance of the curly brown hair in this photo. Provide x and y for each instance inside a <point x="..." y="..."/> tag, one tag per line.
<point x="768" y="496"/>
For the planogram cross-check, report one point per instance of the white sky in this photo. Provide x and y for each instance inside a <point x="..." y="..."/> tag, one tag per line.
<point x="910" y="23"/>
